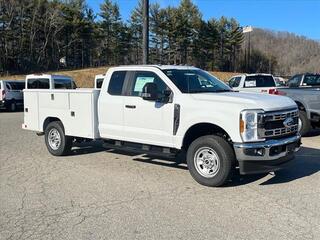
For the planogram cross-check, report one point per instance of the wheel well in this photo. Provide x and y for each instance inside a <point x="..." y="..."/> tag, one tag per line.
<point x="202" y="129"/>
<point x="49" y="120"/>
<point x="300" y="106"/>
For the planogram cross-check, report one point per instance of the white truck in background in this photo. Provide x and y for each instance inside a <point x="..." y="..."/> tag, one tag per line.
<point x="171" y="109"/>
<point x="11" y="95"/>
<point x="258" y="82"/>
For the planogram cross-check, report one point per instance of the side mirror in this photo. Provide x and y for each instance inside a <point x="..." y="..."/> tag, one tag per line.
<point x="150" y="92"/>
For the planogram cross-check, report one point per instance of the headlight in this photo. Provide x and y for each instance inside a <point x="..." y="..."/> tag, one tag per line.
<point x="249" y="120"/>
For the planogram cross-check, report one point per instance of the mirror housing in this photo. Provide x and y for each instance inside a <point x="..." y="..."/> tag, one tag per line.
<point x="150" y="92"/>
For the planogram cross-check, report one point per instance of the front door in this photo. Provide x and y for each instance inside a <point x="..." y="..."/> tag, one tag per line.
<point x="149" y="122"/>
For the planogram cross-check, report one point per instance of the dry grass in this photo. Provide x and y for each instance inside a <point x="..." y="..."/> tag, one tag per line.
<point x="85" y="77"/>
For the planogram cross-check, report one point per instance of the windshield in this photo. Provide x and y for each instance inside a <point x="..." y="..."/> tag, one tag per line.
<point x="312" y="80"/>
<point x="195" y="81"/>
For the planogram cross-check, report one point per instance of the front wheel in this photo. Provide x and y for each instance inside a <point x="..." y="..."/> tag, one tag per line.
<point x="58" y="144"/>
<point x="211" y="160"/>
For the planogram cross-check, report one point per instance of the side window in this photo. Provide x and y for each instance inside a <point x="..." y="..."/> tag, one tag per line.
<point x="38" y="83"/>
<point x="295" y="81"/>
<point x="116" y="82"/>
<point x="143" y="77"/>
<point x="235" y="82"/>
<point x="17" y="85"/>
<point x="62" y="83"/>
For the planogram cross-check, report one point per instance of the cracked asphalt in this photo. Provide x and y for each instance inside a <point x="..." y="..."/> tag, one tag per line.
<point x="100" y="194"/>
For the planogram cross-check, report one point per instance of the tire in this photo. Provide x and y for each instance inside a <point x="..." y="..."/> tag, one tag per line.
<point x="58" y="144"/>
<point x="305" y="123"/>
<point x="219" y="160"/>
<point x="13" y="106"/>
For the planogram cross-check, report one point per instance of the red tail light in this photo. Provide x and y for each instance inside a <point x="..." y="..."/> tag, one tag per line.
<point x="275" y="91"/>
<point x="3" y="93"/>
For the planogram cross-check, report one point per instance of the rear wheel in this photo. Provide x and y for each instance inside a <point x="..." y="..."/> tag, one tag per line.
<point x="304" y="123"/>
<point x="211" y="160"/>
<point x="58" y="144"/>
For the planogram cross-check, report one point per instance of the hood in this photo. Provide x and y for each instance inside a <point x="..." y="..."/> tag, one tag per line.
<point x="248" y="100"/>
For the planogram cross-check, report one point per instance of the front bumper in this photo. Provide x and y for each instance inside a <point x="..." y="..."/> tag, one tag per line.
<point x="267" y="156"/>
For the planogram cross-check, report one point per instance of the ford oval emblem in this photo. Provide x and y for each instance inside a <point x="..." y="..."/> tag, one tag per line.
<point x="288" y="122"/>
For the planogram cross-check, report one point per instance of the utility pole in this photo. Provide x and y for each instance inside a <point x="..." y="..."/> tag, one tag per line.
<point x="145" y="34"/>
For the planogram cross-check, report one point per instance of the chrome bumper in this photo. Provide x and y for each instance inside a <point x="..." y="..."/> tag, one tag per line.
<point x="284" y="147"/>
<point x="268" y="156"/>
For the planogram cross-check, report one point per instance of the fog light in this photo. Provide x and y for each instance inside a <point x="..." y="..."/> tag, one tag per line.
<point x="254" y="151"/>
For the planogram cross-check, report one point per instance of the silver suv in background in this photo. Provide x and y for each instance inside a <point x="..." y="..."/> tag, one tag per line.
<point x="11" y="95"/>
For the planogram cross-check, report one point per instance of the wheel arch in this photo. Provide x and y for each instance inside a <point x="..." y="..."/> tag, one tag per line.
<point x="201" y="129"/>
<point x="49" y="120"/>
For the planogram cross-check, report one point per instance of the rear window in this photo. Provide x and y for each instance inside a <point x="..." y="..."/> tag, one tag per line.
<point x="38" y="83"/>
<point x="259" y="81"/>
<point x="116" y="83"/>
<point x="63" y="84"/>
<point x="99" y="82"/>
<point x="311" y="80"/>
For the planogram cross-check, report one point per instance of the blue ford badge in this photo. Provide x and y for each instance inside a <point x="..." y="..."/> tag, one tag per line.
<point x="288" y="122"/>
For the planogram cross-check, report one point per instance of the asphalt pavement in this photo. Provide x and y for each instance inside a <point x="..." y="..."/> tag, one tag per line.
<point x="98" y="193"/>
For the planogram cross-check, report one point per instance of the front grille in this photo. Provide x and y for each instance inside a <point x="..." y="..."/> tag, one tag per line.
<point x="278" y="124"/>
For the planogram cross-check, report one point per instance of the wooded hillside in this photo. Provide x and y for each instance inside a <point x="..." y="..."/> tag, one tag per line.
<point x="49" y="35"/>
<point x="293" y="53"/>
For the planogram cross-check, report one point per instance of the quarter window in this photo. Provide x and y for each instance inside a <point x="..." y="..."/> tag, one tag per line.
<point x="116" y="82"/>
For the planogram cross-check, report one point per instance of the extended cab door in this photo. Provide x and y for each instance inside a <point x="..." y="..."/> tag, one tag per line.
<point x="149" y="122"/>
<point x="111" y="105"/>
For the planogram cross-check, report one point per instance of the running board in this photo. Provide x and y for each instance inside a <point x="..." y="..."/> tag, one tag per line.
<point x="140" y="148"/>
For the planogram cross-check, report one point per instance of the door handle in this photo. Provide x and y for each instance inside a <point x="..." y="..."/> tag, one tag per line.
<point x="130" y="106"/>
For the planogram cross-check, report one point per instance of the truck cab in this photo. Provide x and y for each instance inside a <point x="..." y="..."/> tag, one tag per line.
<point x="48" y="81"/>
<point x="172" y="109"/>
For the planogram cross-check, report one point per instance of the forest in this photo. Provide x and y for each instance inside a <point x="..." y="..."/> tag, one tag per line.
<point x="42" y="35"/>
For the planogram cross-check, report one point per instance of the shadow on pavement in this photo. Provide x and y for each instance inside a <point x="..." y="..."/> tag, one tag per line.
<point x="306" y="163"/>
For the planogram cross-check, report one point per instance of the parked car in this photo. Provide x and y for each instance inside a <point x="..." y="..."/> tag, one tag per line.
<point x="260" y="82"/>
<point x="98" y="80"/>
<point x="167" y="110"/>
<point x="11" y="95"/>
<point x="47" y="81"/>
<point x="304" y="89"/>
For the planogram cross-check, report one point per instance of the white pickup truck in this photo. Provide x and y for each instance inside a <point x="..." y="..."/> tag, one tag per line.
<point x="258" y="82"/>
<point x="170" y="109"/>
